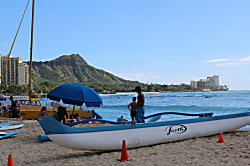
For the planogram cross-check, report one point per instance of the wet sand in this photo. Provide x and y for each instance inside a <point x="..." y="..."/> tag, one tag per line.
<point x="27" y="151"/>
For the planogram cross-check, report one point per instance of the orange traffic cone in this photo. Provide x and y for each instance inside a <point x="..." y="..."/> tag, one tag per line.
<point x="124" y="155"/>
<point x="93" y="122"/>
<point x="10" y="161"/>
<point x="221" y="140"/>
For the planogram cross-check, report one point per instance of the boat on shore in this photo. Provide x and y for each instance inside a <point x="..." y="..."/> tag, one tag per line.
<point x="104" y="138"/>
<point x="30" y="109"/>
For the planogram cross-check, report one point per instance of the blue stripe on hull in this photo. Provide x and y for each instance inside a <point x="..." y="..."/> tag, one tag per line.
<point x="52" y="126"/>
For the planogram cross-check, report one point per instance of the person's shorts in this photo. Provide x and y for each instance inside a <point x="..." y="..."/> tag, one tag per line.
<point x="5" y="109"/>
<point x="133" y="113"/>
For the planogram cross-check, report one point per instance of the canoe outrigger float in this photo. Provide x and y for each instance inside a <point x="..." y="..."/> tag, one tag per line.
<point x="141" y="134"/>
<point x="6" y="135"/>
<point x="10" y="127"/>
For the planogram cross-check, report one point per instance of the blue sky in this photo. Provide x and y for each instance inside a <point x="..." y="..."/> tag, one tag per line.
<point x="158" y="41"/>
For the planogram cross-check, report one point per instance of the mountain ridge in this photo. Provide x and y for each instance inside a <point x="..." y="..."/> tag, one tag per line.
<point x="73" y="68"/>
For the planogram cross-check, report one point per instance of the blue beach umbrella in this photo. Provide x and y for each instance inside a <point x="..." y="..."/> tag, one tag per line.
<point x="76" y="94"/>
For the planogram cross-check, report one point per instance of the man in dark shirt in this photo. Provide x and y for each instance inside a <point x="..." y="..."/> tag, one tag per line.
<point x="13" y="109"/>
<point x="13" y="104"/>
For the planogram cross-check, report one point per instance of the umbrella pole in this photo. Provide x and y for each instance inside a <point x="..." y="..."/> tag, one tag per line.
<point x="73" y="112"/>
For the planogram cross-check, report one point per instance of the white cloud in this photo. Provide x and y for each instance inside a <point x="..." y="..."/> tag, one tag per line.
<point x="218" y="60"/>
<point x="230" y="62"/>
<point x="227" y="64"/>
<point x="247" y="59"/>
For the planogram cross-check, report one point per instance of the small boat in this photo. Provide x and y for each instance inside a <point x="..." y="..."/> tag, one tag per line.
<point x="10" y="127"/>
<point x="30" y="109"/>
<point x="142" y="134"/>
<point x="6" y="135"/>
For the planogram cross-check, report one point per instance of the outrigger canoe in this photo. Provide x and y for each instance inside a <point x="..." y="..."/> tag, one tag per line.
<point x="139" y="135"/>
<point x="30" y="109"/>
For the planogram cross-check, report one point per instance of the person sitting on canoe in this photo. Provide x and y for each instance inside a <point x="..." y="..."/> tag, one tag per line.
<point x="66" y="116"/>
<point x="59" y="115"/>
<point x="76" y="117"/>
<point x="140" y="105"/>
<point x="121" y="119"/>
<point x="133" y="109"/>
<point x="43" y="112"/>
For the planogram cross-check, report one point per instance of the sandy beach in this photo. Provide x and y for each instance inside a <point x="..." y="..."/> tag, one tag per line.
<point x="26" y="150"/>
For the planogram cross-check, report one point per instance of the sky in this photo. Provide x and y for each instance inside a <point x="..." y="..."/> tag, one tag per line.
<point x="151" y="41"/>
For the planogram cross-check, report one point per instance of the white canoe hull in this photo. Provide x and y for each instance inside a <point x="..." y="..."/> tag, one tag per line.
<point x="138" y="137"/>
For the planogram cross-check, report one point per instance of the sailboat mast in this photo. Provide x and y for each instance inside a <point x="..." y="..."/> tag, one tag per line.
<point x="31" y="48"/>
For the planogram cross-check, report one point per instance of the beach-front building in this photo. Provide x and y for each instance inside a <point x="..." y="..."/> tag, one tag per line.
<point x="208" y="83"/>
<point x="16" y="71"/>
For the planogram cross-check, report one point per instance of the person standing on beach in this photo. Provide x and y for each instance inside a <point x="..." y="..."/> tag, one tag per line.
<point x="5" y="110"/>
<point x="13" y="108"/>
<point x="133" y="109"/>
<point x="140" y="105"/>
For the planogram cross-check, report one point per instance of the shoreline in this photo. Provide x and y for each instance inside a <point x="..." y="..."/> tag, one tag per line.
<point x="161" y="92"/>
<point x="26" y="150"/>
<point x="7" y="96"/>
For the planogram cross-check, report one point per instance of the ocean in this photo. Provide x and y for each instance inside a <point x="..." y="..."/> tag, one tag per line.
<point x="218" y="103"/>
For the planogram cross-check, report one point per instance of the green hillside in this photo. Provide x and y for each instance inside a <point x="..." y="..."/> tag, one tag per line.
<point x="73" y="68"/>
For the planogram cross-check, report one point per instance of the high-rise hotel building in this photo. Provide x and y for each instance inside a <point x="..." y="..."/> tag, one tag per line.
<point x="209" y="83"/>
<point x="16" y="71"/>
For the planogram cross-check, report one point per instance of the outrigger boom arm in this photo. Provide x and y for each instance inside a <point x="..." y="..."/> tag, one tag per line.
<point x="178" y="113"/>
<point x="146" y="117"/>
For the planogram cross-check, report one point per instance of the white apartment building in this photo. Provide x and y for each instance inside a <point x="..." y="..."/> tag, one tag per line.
<point x="16" y="71"/>
<point x="194" y="84"/>
<point x="209" y="83"/>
